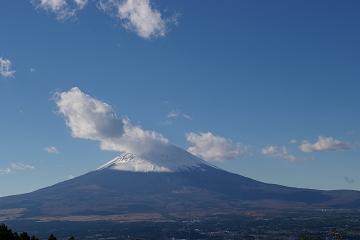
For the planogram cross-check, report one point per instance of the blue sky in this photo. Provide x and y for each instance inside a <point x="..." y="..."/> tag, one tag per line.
<point x="258" y="74"/>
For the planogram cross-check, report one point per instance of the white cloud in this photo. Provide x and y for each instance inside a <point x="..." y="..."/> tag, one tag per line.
<point x="63" y="9"/>
<point x="349" y="180"/>
<point x="324" y="144"/>
<point x="134" y="140"/>
<point x="51" y="149"/>
<point x="5" y="68"/>
<point x="90" y="118"/>
<point x="278" y="152"/>
<point x="14" y="167"/>
<point x="21" y="166"/>
<point x="81" y="3"/>
<point x="136" y="15"/>
<point x="214" y="148"/>
<point x="176" y="114"/>
<point x="4" y="171"/>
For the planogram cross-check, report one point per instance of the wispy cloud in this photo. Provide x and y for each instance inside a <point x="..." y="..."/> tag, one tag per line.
<point x="14" y="167"/>
<point x="63" y="9"/>
<point x="278" y="152"/>
<point x="51" y="149"/>
<point x="214" y="148"/>
<point x="5" y="68"/>
<point x="349" y="180"/>
<point x="70" y="177"/>
<point x="4" y="171"/>
<point x="92" y="119"/>
<point x="324" y="144"/>
<point x="81" y="3"/>
<point x="21" y="166"/>
<point x="176" y="114"/>
<point x="136" y="15"/>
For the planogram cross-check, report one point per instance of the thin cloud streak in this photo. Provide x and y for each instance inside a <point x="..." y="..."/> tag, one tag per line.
<point x="15" y="167"/>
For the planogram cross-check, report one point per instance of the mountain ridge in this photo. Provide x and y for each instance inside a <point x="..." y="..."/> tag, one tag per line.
<point x="184" y="185"/>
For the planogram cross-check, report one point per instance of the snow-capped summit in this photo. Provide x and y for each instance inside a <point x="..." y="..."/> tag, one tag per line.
<point x="168" y="182"/>
<point x="166" y="158"/>
<point x="130" y="162"/>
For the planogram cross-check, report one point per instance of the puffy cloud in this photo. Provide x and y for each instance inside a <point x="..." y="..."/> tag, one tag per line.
<point x="15" y="167"/>
<point x="136" y="15"/>
<point x="214" y="148"/>
<point x="90" y="118"/>
<point x="51" y="149"/>
<point x="5" y="68"/>
<point x="63" y="9"/>
<point x="278" y="152"/>
<point x="134" y="140"/>
<point x="324" y="144"/>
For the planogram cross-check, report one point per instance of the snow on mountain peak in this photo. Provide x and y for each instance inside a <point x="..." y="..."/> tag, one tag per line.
<point x="166" y="158"/>
<point x="130" y="162"/>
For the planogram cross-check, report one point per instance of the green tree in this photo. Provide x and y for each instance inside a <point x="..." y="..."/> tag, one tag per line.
<point x="335" y="234"/>
<point x="309" y="237"/>
<point x="24" y="236"/>
<point x="16" y="236"/>
<point x="51" y="237"/>
<point x="5" y="233"/>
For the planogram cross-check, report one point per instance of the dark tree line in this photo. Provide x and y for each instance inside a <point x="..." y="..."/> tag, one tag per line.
<point x="7" y="234"/>
<point x="333" y="235"/>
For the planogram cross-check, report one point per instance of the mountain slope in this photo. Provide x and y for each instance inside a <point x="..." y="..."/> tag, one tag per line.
<point x="171" y="182"/>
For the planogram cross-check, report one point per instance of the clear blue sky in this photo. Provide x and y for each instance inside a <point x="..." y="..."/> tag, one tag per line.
<point x="261" y="73"/>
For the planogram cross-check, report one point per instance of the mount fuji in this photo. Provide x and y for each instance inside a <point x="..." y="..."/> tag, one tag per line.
<point x="163" y="183"/>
